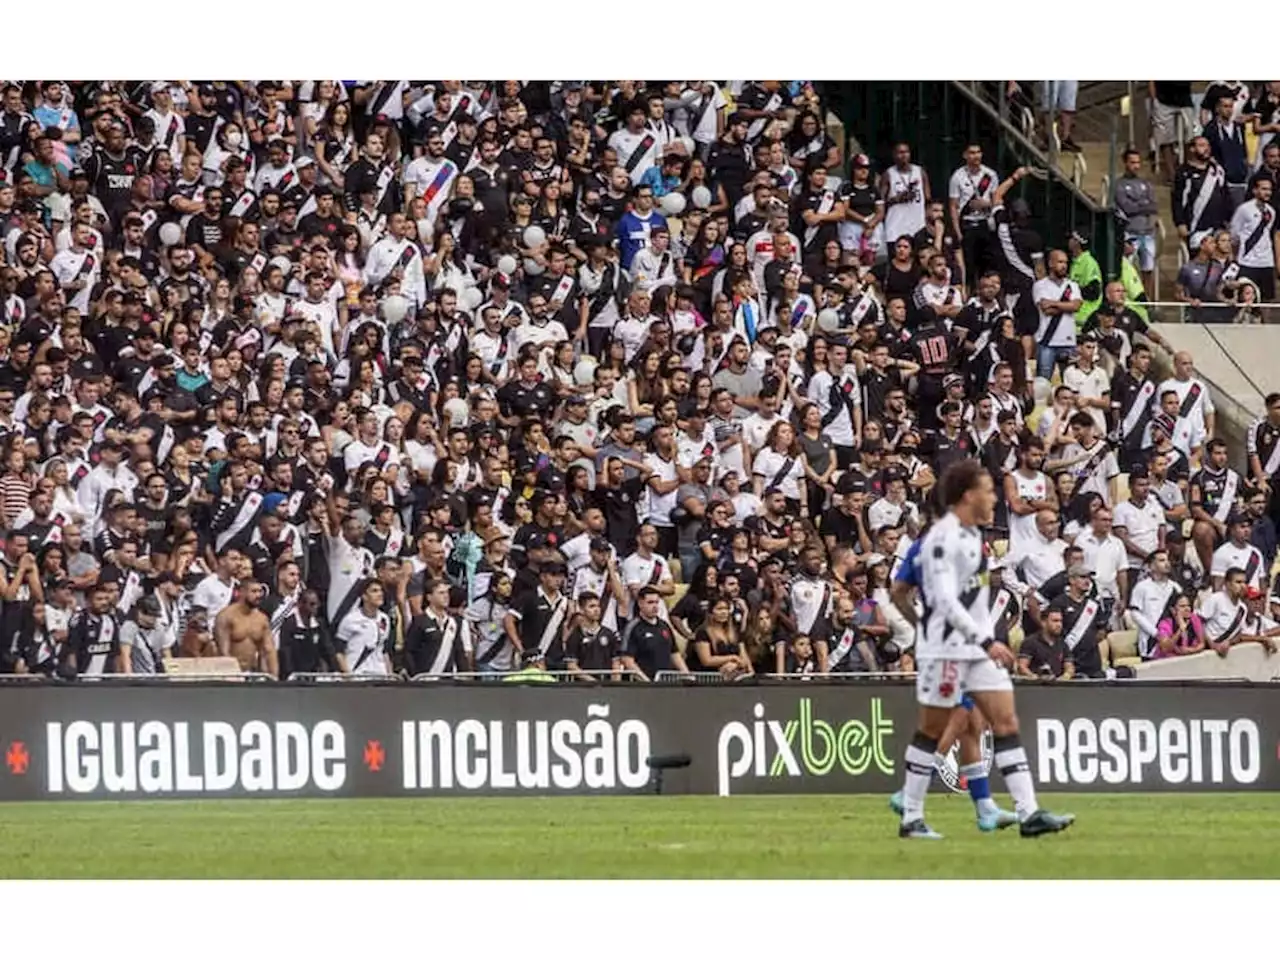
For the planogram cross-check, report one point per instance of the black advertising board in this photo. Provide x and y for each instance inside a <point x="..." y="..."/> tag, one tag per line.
<point x="242" y="740"/>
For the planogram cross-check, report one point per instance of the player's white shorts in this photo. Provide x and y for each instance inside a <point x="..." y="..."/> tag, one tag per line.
<point x="941" y="683"/>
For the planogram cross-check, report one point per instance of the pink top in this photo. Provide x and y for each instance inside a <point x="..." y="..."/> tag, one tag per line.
<point x="1194" y="636"/>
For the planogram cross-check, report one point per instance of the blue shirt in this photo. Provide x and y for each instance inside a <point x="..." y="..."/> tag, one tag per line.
<point x="661" y="185"/>
<point x="909" y="569"/>
<point x="633" y="234"/>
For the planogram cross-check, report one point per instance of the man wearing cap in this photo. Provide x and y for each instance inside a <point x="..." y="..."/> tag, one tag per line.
<point x="538" y="619"/>
<point x="600" y="578"/>
<point x="144" y="643"/>
<point x="1084" y="620"/>
<point x="1237" y="553"/>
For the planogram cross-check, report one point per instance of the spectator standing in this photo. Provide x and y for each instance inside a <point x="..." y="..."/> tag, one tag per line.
<point x="1057" y="298"/>
<point x="1133" y="198"/>
<point x="1201" y="202"/>
<point x="1172" y="119"/>
<point x="971" y="194"/>
<point x="1254" y="229"/>
<point x="1199" y="282"/>
<point x="1226" y="139"/>
<point x="904" y="187"/>
<point x="1058" y="97"/>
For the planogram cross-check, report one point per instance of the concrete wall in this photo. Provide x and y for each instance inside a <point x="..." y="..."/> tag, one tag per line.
<point x="1241" y="365"/>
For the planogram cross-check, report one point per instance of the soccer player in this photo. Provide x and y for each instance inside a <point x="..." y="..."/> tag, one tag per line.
<point x="957" y="654"/>
<point x="966" y="723"/>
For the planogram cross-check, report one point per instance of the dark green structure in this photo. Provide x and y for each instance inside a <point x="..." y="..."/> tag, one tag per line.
<point x="937" y="118"/>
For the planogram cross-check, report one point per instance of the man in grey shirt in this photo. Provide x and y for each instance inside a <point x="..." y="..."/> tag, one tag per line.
<point x="740" y="380"/>
<point x="1198" y="283"/>
<point x="1134" y="200"/>
<point x="691" y="509"/>
<point x="622" y="444"/>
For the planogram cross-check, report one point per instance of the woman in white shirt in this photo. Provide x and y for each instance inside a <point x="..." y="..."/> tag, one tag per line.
<point x="780" y="465"/>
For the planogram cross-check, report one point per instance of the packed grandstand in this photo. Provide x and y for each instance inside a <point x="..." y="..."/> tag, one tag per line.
<point x="600" y="381"/>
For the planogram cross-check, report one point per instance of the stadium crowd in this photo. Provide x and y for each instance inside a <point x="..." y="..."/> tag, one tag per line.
<point x="401" y="378"/>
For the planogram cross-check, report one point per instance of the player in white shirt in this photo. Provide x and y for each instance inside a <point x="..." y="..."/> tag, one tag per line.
<point x="1237" y="553"/>
<point x="957" y="654"/>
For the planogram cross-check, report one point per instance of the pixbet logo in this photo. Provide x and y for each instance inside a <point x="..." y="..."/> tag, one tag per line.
<point x="803" y="745"/>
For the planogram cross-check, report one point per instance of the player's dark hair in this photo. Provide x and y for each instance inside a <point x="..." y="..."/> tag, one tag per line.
<point x="959" y="479"/>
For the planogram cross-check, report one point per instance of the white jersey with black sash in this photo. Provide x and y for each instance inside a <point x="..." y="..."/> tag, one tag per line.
<point x="1252" y="227"/>
<point x="836" y="396"/>
<point x="1093" y="475"/>
<point x="810" y="602"/>
<point x="637" y="152"/>
<point x="588" y="579"/>
<point x="1150" y="602"/>
<point x="1246" y="557"/>
<point x="364" y="639"/>
<point x="349" y="567"/>
<point x="1194" y="401"/>
<point x="1223" y="618"/>
<point x="281" y="608"/>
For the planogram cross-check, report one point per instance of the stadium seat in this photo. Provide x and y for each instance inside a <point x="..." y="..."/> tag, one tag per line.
<point x="1015" y="638"/>
<point x="1122" y="488"/>
<point x="1123" y="647"/>
<point x="1104" y="651"/>
<point x="681" y="590"/>
<point x="677" y="571"/>
<point x="999" y="548"/>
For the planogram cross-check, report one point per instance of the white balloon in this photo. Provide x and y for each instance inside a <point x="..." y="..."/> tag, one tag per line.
<point x="673" y="204"/>
<point x="532" y="267"/>
<point x="507" y="264"/>
<point x="424" y="230"/>
<point x="472" y="298"/>
<point x="828" y="320"/>
<point x="585" y="371"/>
<point x="701" y="197"/>
<point x="170" y="234"/>
<point x="394" y="309"/>
<point x="534" y="237"/>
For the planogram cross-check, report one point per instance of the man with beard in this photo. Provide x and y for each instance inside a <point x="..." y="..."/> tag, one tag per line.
<point x="243" y="631"/>
<point x="372" y="173"/>
<point x="430" y="177"/>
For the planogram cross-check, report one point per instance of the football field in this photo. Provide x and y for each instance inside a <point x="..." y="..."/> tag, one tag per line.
<point x="1117" y="836"/>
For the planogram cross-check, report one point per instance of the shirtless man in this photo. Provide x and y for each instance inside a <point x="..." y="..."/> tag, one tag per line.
<point x="244" y="632"/>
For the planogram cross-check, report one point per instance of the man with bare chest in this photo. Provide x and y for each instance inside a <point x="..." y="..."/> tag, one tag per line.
<point x="244" y="632"/>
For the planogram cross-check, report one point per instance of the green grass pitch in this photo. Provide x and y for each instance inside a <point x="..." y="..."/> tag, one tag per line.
<point x="1116" y="836"/>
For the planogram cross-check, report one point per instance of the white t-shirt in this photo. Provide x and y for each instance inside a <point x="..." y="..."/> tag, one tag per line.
<point x="348" y="565"/>
<point x="769" y="464"/>
<point x="1105" y="559"/>
<point x="1142" y="526"/>
<point x="212" y="594"/>
<point x="1093" y="385"/>
<point x="364" y="640"/>
<point x="661" y="504"/>
<point x="1219" y="613"/>
<point x="1229" y="555"/>
<point x="1058" y="330"/>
